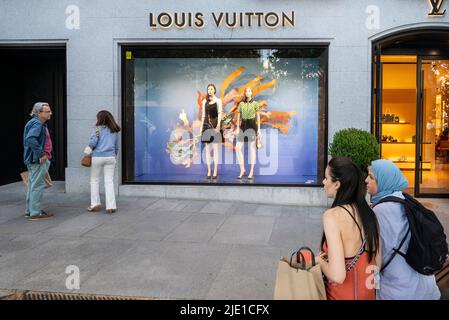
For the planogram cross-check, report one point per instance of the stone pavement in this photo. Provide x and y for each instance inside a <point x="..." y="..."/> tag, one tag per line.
<point x="152" y="247"/>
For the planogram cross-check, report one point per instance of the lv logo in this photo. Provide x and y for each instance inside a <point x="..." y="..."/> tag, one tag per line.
<point x="436" y="8"/>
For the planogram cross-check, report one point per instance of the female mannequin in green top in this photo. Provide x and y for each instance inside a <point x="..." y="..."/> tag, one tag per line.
<point x="248" y="126"/>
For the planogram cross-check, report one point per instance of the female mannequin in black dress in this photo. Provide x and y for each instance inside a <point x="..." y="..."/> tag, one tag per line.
<point x="210" y="124"/>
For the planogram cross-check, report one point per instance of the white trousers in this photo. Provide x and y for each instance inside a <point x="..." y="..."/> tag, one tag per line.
<point x="108" y="166"/>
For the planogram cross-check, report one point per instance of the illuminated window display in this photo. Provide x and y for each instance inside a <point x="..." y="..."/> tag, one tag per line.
<point x="166" y="89"/>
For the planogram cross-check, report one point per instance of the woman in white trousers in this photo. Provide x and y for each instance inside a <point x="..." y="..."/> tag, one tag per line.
<point x="103" y="144"/>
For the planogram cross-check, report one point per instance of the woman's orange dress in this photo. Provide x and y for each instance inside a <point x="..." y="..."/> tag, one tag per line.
<point x="359" y="282"/>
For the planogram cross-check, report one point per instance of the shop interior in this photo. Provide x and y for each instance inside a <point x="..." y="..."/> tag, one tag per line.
<point x="414" y="119"/>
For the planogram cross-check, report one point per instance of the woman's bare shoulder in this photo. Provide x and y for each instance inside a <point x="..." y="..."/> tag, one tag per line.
<point x="333" y="211"/>
<point x="333" y="214"/>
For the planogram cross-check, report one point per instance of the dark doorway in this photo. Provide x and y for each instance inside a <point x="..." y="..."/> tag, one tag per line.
<point x="29" y="75"/>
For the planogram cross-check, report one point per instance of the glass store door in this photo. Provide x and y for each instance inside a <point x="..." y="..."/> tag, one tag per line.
<point x="432" y="171"/>
<point x="397" y="114"/>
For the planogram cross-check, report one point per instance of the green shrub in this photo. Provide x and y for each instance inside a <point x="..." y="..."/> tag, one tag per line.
<point x="359" y="145"/>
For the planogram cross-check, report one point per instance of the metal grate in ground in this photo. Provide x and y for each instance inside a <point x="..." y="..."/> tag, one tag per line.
<point x="43" y="295"/>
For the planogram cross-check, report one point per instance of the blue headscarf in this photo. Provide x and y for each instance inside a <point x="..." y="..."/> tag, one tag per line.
<point x="389" y="179"/>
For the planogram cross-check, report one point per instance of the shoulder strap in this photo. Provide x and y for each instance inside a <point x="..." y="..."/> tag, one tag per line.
<point x="353" y="218"/>
<point x="391" y="199"/>
<point x="350" y="265"/>
<point x="395" y="251"/>
<point x="97" y="134"/>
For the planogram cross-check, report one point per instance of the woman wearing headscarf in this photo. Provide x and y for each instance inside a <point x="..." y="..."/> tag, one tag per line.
<point x="398" y="280"/>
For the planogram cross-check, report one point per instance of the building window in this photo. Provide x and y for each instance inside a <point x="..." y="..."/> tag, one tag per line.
<point x="163" y="90"/>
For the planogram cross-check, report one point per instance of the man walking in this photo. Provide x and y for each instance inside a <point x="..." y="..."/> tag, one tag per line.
<point x="37" y="146"/>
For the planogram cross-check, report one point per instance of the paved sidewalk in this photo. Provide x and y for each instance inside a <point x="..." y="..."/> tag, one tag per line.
<point x="161" y="248"/>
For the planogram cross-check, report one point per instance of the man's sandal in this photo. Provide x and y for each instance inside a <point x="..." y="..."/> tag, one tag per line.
<point x="43" y="215"/>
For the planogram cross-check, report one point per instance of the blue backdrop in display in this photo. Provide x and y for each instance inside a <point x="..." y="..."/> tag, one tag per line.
<point x="164" y="87"/>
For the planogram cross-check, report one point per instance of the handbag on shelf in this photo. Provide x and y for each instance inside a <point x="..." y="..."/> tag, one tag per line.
<point x="86" y="161"/>
<point x="301" y="279"/>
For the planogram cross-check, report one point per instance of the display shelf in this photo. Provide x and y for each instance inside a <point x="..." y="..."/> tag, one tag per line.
<point x="395" y="122"/>
<point x="410" y="165"/>
<point x="384" y="142"/>
<point x="408" y="161"/>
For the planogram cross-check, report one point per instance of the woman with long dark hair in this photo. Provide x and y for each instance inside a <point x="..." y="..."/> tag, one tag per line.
<point x="350" y="244"/>
<point x="103" y="145"/>
<point x="211" y="127"/>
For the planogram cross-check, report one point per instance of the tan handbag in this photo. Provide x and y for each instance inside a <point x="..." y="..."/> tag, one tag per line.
<point x="299" y="280"/>
<point x="86" y="161"/>
<point x="47" y="179"/>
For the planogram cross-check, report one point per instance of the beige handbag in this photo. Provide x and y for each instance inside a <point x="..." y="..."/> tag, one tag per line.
<point x="299" y="280"/>
<point x="47" y="179"/>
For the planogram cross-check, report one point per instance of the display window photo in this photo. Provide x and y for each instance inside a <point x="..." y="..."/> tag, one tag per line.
<point x="226" y="115"/>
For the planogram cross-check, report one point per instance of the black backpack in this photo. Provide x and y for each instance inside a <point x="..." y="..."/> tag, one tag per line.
<point x="428" y="249"/>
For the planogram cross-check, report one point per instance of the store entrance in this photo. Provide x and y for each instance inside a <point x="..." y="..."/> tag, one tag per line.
<point x="29" y="75"/>
<point x="433" y="107"/>
<point x="411" y="108"/>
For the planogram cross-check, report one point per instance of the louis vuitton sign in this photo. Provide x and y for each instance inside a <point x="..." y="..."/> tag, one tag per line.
<point x="231" y="20"/>
<point x="437" y="8"/>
